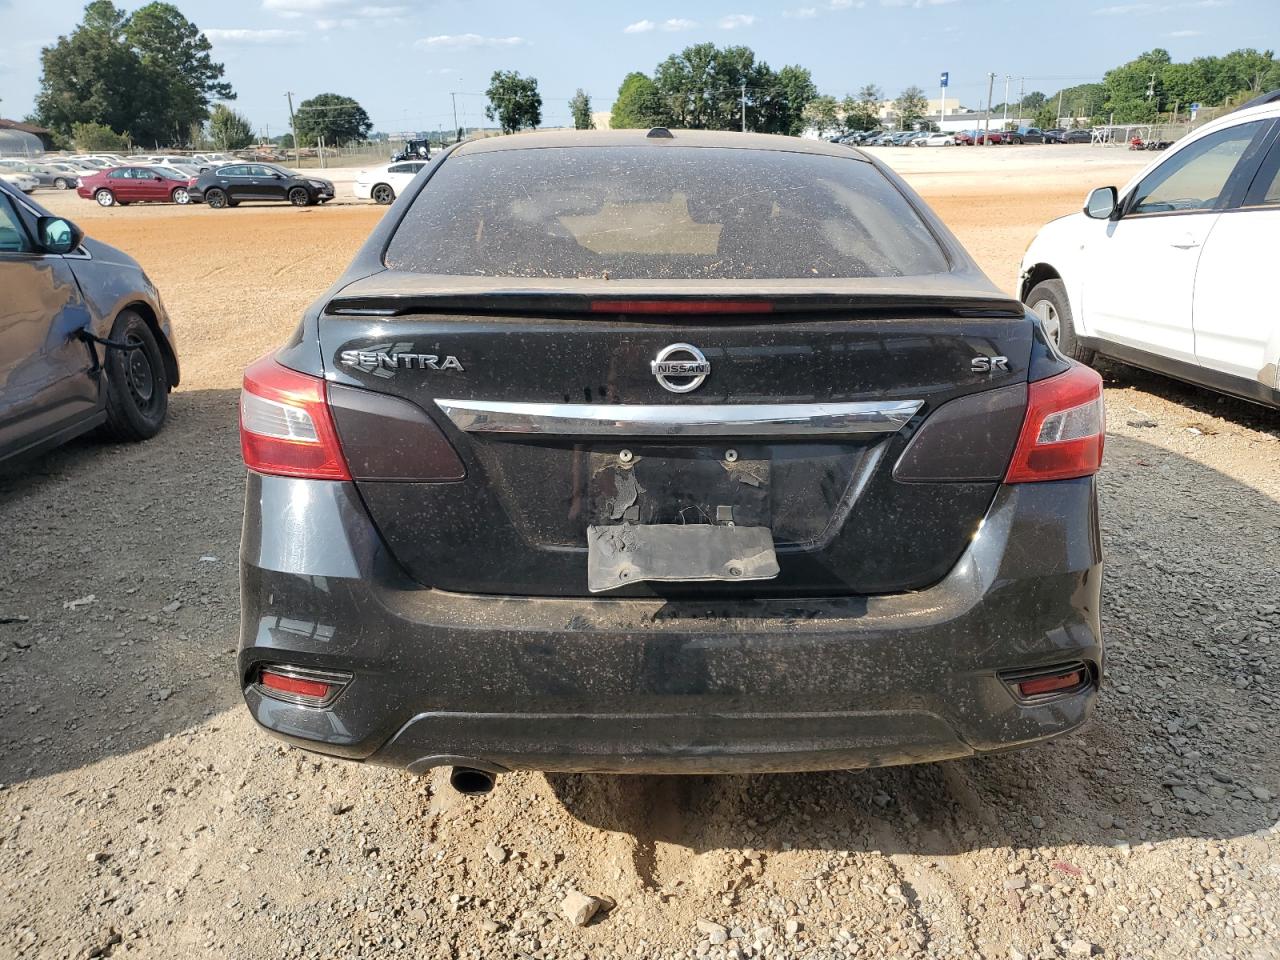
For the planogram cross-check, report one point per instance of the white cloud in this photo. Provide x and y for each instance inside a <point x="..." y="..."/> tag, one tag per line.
<point x="461" y="41"/>
<point x="676" y="24"/>
<point x="1183" y="33"/>
<point x="735" y="20"/>
<point x="241" y="35"/>
<point x="1124" y="9"/>
<point x="336" y="23"/>
<point x="916" y="4"/>
<point x="640" y="26"/>
<point x="377" y="12"/>
<point x="801" y="13"/>
<point x="844" y="4"/>
<point x="293" y="8"/>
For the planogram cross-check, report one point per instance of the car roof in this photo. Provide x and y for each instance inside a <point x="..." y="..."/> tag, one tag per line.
<point x="638" y="138"/>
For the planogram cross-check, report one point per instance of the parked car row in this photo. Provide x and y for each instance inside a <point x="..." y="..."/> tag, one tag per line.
<point x="218" y="186"/>
<point x="57" y="174"/>
<point x="923" y="138"/>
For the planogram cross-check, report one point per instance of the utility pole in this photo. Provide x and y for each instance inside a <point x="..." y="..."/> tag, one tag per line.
<point x="454" y="97"/>
<point x="744" y="106"/>
<point x="293" y="125"/>
<point x="1058" y="119"/>
<point x="986" y="138"/>
<point x="1022" y="93"/>
<point x="1005" y="122"/>
<point x="1151" y="86"/>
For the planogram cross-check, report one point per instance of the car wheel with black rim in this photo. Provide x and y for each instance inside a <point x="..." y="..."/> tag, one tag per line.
<point x="137" y="381"/>
<point x="105" y="198"/>
<point x="299" y="197"/>
<point x="180" y="195"/>
<point x="1048" y="301"/>
<point x="215" y="198"/>
<point x="382" y="193"/>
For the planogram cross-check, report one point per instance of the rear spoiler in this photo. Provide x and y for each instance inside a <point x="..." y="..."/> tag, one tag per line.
<point x="536" y="303"/>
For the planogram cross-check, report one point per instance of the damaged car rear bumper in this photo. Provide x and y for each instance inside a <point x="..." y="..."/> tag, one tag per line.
<point x="668" y="686"/>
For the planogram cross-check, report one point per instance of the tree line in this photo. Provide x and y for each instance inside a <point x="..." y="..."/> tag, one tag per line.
<point x="149" y="77"/>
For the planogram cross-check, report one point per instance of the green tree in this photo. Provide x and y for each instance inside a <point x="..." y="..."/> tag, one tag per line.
<point x="637" y="106"/>
<point x="1134" y="90"/>
<point x="97" y="136"/>
<point x="783" y="100"/>
<point x="703" y="87"/>
<point x="823" y="114"/>
<point x="177" y="66"/>
<point x="514" y="101"/>
<point x="1033" y="101"/>
<point x="863" y="112"/>
<point x="336" y="118"/>
<point x="911" y="106"/>
<point x="229" y="130"/>
<point x="1082" y="100"/>
<point x="284" y="141"/>
<point x="150" y="73"/>
<point x="1046" y="117"/>
<point x="580" y="107"/>
<point x="90" y="75"/>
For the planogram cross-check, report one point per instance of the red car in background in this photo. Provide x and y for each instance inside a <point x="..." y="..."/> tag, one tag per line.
<point x="134" y="185"/>
<point x="967" y="138"/>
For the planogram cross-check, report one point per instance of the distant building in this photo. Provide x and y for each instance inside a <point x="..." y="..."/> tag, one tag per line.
<point x="23" y="139"/>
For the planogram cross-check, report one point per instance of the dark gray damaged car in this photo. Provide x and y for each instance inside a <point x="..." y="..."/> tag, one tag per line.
<point x="667" y="452"/>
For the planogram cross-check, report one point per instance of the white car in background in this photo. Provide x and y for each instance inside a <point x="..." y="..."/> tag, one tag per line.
<point x="1175" y="272"/>
<point x="21" y="181"/>
<point x="935" y="140"/>
<point x="383" y="184"/>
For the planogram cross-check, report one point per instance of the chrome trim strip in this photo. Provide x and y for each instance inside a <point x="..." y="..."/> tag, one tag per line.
<point x="683" y="420"/>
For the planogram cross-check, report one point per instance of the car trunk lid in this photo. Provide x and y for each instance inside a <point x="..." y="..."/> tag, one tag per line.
<point x="804" y="401"/>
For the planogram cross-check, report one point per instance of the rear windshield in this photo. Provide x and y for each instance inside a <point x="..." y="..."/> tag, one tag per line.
<point x="677" y="213"/>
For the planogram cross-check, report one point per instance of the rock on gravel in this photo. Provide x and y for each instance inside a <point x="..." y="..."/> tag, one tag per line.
<point x="580" y="908"/>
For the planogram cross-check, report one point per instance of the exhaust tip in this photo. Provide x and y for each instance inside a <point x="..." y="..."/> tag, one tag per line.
<point x="471" y="782"/>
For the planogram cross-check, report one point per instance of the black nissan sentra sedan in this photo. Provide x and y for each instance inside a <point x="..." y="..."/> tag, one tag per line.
<point x="667" y="452"/>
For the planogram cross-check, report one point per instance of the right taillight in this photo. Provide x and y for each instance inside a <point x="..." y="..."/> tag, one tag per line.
<point x="1063" y="433"/>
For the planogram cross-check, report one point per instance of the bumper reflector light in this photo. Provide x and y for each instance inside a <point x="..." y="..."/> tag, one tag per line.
<point x="311" y="688"/>
<point x="1038" y="686"/>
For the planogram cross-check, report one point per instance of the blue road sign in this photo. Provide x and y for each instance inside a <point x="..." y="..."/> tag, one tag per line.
<point x="946" y="75"/>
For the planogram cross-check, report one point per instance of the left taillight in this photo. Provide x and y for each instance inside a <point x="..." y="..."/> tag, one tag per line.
<point x="1064" y="430"/>
<point x="286" y="428"/>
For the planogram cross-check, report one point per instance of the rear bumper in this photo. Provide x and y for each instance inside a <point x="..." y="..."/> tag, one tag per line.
<point x="645" y="685"/>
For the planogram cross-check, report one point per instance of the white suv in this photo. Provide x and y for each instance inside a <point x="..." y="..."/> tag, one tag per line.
<point x="1176" y="272"/>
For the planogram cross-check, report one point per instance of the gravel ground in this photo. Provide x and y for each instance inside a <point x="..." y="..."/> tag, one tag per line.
<point x="144" y="815"/>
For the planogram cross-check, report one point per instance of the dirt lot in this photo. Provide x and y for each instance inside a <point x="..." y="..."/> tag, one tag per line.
<point x="143" y="815"/>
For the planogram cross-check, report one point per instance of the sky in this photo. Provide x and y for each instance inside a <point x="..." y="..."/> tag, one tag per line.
<point x="402" y="59"/>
